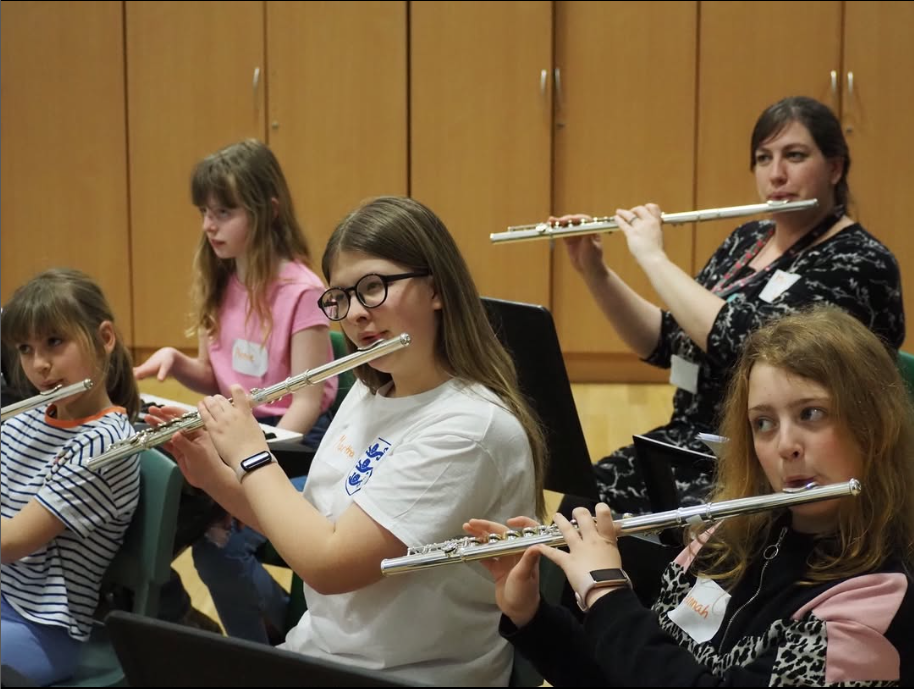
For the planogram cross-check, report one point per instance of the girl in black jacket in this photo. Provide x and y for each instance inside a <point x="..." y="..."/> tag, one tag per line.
<point x="820" y="594"/>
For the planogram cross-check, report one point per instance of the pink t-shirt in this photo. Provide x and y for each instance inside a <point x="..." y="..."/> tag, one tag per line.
<point x="239" y="353"/>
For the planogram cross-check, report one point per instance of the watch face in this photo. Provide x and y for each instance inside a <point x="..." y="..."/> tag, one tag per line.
<point x="609" y="575"/>
<point x="257" y="460"/>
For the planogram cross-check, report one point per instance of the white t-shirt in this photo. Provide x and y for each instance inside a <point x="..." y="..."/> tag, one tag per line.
<point x="419" y="466"/>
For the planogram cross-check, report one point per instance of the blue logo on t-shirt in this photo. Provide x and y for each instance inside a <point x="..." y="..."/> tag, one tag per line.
<point x="363" y="469"/>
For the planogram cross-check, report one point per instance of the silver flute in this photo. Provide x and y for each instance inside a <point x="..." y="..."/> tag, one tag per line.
<point x="470" y="548"/>
<point x="190" y="421"/>
<point x="545" y="230"/>
<point x="46" y="397"/>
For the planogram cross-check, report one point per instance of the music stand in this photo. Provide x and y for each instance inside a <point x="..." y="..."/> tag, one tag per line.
<point x="528" y="332"/>
<point x="646" y="557"/>
<point x="656" y="459"/>
<point x="154" y="653"/>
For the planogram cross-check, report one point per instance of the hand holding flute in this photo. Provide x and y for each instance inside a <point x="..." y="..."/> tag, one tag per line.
<point x="232" y="427"/>
<point x="517" y="577"/>
<point x="585" y="251"/>
<point x="580" y="224"/>
<point x="192" y="420"/>
<point x="641" y="226"/>
<point x="193" y="452"/>
<point x="209" y="459"/>
<point x="592" y="545"/>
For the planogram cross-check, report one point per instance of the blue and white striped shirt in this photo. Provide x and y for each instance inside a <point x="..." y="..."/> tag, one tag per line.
<point x="44" y="459"/>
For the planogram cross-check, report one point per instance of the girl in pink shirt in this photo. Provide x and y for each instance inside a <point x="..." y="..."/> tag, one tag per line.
<point x="258" y="323"/>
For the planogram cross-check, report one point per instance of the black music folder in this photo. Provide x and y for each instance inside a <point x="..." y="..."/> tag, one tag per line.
<point x="154" y="653"/>
<point x="656" y="460"/>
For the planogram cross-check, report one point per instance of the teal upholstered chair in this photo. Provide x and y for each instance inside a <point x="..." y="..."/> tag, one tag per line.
<point x="141" y="565"/>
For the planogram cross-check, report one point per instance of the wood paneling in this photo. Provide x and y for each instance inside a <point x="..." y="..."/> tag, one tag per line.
<point x="625" y="127"/>
<point x="337" y="106"/>
<point x="480" y="121"/>
<point x="190" y="90"/>
<point x="879" y="52"/>
<point x="107" y="106"/>
<point x="63" y="150"/>
<point x="752" y="54"/>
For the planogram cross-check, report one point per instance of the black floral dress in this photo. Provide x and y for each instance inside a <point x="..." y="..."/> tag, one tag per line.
<point x="851" y="269"/>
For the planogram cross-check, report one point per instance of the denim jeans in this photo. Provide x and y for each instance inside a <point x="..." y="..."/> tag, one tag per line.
<point x="247" y="598"/>
<point x="43" y="653"/>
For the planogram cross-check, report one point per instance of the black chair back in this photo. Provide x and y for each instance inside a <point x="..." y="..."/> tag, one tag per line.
<point x="528" y="332"/>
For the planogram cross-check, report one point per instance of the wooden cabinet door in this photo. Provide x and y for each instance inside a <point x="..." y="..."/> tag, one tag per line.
<point x="625" y="128"/>
<point x="64" y="146"/>
<point x="337" y="107"/>
<point x="195" y="83"/>
<point x="753" y="54"/>
<point x="877" y="105"/>
<point x="480" y="125"/>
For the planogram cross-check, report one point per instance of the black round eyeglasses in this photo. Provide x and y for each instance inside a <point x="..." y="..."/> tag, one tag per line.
<point x="370" y="290"/>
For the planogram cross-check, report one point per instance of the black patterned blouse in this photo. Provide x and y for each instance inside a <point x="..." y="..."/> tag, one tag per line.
<point x="851" y="269"/>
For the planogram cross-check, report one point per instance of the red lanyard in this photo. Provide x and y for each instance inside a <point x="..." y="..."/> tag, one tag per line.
<point x="739" y="265"/>
<point x="802" y="243"/>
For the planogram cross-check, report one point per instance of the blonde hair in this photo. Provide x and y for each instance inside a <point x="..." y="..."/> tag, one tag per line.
<point x="405" y="232"/>
<point x="827" y="346"/>
<point x="244" y="175"/>
<point x="67" y="303"/>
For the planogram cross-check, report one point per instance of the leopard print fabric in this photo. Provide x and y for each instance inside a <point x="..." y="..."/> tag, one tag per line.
<point x="801" y="645"/>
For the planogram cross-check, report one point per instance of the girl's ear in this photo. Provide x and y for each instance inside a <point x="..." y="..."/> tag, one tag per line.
<point x="275" y="202"/>
<point x="107" y="336"/>
<point x="436" y="296"/>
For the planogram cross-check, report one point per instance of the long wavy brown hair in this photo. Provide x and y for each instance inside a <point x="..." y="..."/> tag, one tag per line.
<point x="406" y="232"/>
<point x="827" y="346"/>
<point x="244" y="175"/>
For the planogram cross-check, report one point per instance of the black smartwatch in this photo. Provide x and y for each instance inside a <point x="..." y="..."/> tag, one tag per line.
<point x="600" y="579"/>
<point x="252" y="463"/>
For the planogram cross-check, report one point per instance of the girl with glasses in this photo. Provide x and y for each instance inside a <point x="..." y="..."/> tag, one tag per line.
<point x="428" y="436"/>
<point x="257" y="323"/>
<point x="370" y="290"/>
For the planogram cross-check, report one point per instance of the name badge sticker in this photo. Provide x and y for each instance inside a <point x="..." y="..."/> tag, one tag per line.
<point x="779" y="283"/>
<point x="702" y="612"/>
<point x="684" y="374"/>
<point x="249" y="358"/>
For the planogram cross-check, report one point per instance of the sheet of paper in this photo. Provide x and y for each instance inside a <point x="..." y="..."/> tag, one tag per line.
<point x="280" y="433"/>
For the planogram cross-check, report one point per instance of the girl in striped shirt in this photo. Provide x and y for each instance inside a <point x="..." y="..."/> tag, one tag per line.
<point x="62" y="523"/>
